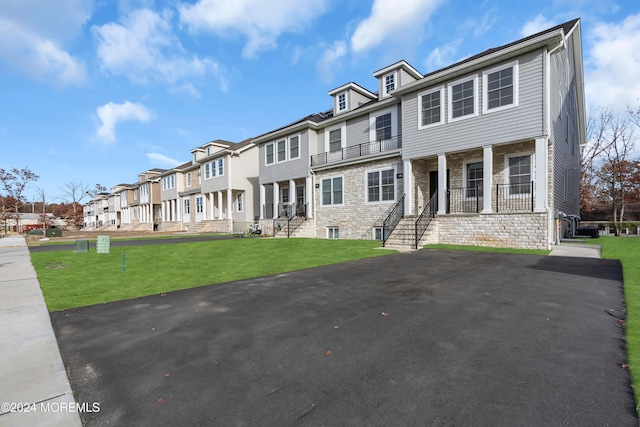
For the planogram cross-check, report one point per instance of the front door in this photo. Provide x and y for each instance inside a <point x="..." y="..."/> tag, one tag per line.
<point x="199" y="208"/>
<point x="300" y="208"/>
<point x="433" y="187"/>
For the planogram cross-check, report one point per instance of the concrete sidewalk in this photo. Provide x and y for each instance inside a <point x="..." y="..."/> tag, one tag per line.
<point x="34" y="388"/>
<point x="576" y="250"/>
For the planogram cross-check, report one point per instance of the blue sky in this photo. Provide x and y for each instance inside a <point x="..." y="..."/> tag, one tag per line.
<point x="97" y="91"/>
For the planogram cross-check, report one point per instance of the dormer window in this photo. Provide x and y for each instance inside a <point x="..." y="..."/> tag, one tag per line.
<point x="208" y="151"/>
<point x="389" y="83"/>
<point x="342" y="101"/>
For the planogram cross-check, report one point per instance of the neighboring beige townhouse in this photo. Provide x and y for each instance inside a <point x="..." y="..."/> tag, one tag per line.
<point x="485" y="152"/>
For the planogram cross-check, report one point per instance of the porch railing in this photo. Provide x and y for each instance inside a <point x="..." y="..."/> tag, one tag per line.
<point x="299" y="215"/>
<point x="428" y="213"/>
<point x="282" y="220"/>
<point x="514" y="197"/>
<point x="464" y="199"/>
<point x="394" y="217"/>
<point x="356" y="151"/>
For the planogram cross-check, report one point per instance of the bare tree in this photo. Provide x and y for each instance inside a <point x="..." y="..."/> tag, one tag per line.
<point x="598" y="141"/>
<point x="14" y="182"/>
<point x="75" y="193"/>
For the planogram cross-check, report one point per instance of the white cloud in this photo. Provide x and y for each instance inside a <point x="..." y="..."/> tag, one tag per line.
<point x="612" y="63"/>
<point x="442" y="56"/>
<point x="537" y="24"/>
<point x="161" y="160"/>
<point x="33" y="35"/>
<point x="329" y="61"/>
<point x="144" y="49"/>
<point x="261" y="22"/>
<point x="111" y="114"/>
<point x="391" y="19"/>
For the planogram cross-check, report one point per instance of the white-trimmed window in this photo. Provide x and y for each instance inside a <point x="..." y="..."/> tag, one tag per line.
<point x="342" y="101"/>
<point x="239" y="202"/>
<point x="431" y="108"/>
<point x="168" y="182"/>
<point x="187" y="206"/>
<point x="188" y="179"/>
<point x="269" y="155"/>
<point x="333" y="232"/>
<point x="208" y="150"/>
<point x="381" y="185"/>
<point x="281" y="148"/>
<point x="220" y="166"/>
<point x="194" y="157"/>
<point x="332" y="188"/>
<point x="335" y="140"/>
<point x="383" y="125"/>
<point x="389" y="82"/>
<point x="473" y="178"/>
<point x="462" y="98"/>
<point x="500" y="87"/>
<point x="294" y="147"/>
<point x="207" y="170"/>
<point x="519" y="174"/>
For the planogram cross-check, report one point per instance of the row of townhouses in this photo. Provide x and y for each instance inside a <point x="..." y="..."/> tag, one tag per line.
<point x="485" y="152"/>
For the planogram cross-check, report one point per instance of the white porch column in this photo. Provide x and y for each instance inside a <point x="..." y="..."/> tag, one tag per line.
<point x="263" y="198"/>
<point x="292" y="191"/>
<point x="229" y="203"/>
<point x="541" y="175"/>
<point x="179" y="205"/>
<point x="220" y="205"/>
<point x="309" y="196"/>
<point x="442" y="184"/>
<point x="407" y="184"/>
<point x="276" y="199"/>
<point x="487" y="179"/>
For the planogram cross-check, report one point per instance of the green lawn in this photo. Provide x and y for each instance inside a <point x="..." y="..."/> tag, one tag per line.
<point x="627" y="250"/>
<point x="70" y="279"/>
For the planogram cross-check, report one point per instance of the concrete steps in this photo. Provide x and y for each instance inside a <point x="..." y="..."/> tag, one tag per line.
<point x="404" y="235"/>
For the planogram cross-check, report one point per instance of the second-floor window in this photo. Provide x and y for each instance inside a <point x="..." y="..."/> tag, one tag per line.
<point x="462" y="98"/>
<point x="282" y="150"/>
<point x="220" y="167"/>
<point x="168" y="182"/>
<point x="207" y="170"/>
<point x="269" y="154"/>
<point x="335" y="140"/>
<point x="383" y="127"/>
<point x="500" y="87"/>
<point x="294" y="147"/>
<point x="188" y="179"/>
<point x="430" y="108"/>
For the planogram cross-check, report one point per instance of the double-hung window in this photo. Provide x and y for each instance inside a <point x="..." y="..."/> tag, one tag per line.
<point x="335" y="140"/>
<point x="239" y="203"/>
<point x="520" y="175"/>
<point x="462" y="98"/>
<point x="187" y="206"/>
<point x="430" y="108"/>
<point x="207" y="170"/>
<point x="383" y="127"/>
<point x="332" y="191"/>
<point x="500" y="87"/>
<point x="220" y="167"/>
<point x="294" y="147"/>
<point x="213" y="168"/>
<point x="381" y="185"/>
<point x="269" y="154"/>
<point x="188" y="179"/>
<point x="474" y="172"/>
<point x="282" y="150"/>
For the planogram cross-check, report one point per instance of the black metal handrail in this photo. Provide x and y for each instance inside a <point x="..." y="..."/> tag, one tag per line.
<point x="394" y="217"/>
<point x="284" y="214"/>
<point x="355" y="151"/>
<point x="423" y="221"/>
<point x="514" y="197"/>
<point x="464" y="199"/>
<point x="299" y="215"/>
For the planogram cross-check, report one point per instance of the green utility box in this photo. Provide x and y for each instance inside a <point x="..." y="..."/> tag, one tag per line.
<point x="82" y="245"/>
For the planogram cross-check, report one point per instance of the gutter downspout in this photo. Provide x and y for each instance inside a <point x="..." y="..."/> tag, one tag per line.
<point x="313" y="194"/>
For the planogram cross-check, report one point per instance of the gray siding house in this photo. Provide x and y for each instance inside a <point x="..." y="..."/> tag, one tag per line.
<point x="491" y="144"/>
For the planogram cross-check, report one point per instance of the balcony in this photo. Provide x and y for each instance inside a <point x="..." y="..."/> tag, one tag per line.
<point x="356" y="151"/>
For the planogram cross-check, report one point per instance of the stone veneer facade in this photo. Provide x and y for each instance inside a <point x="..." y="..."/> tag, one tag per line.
<point x="355" y="218"/>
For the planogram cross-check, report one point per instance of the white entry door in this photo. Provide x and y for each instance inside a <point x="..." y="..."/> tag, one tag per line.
<point x="199" y="208"/>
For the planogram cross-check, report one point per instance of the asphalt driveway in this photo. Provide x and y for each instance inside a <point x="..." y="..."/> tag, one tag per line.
<point x="422" y="338"/>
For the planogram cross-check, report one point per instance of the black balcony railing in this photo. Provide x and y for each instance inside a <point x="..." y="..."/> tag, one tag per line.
<point x="355" y="151"/>
<point x="428" y="213"/>
<point x="390" y="222"/>
<point x="465" y="199"/>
